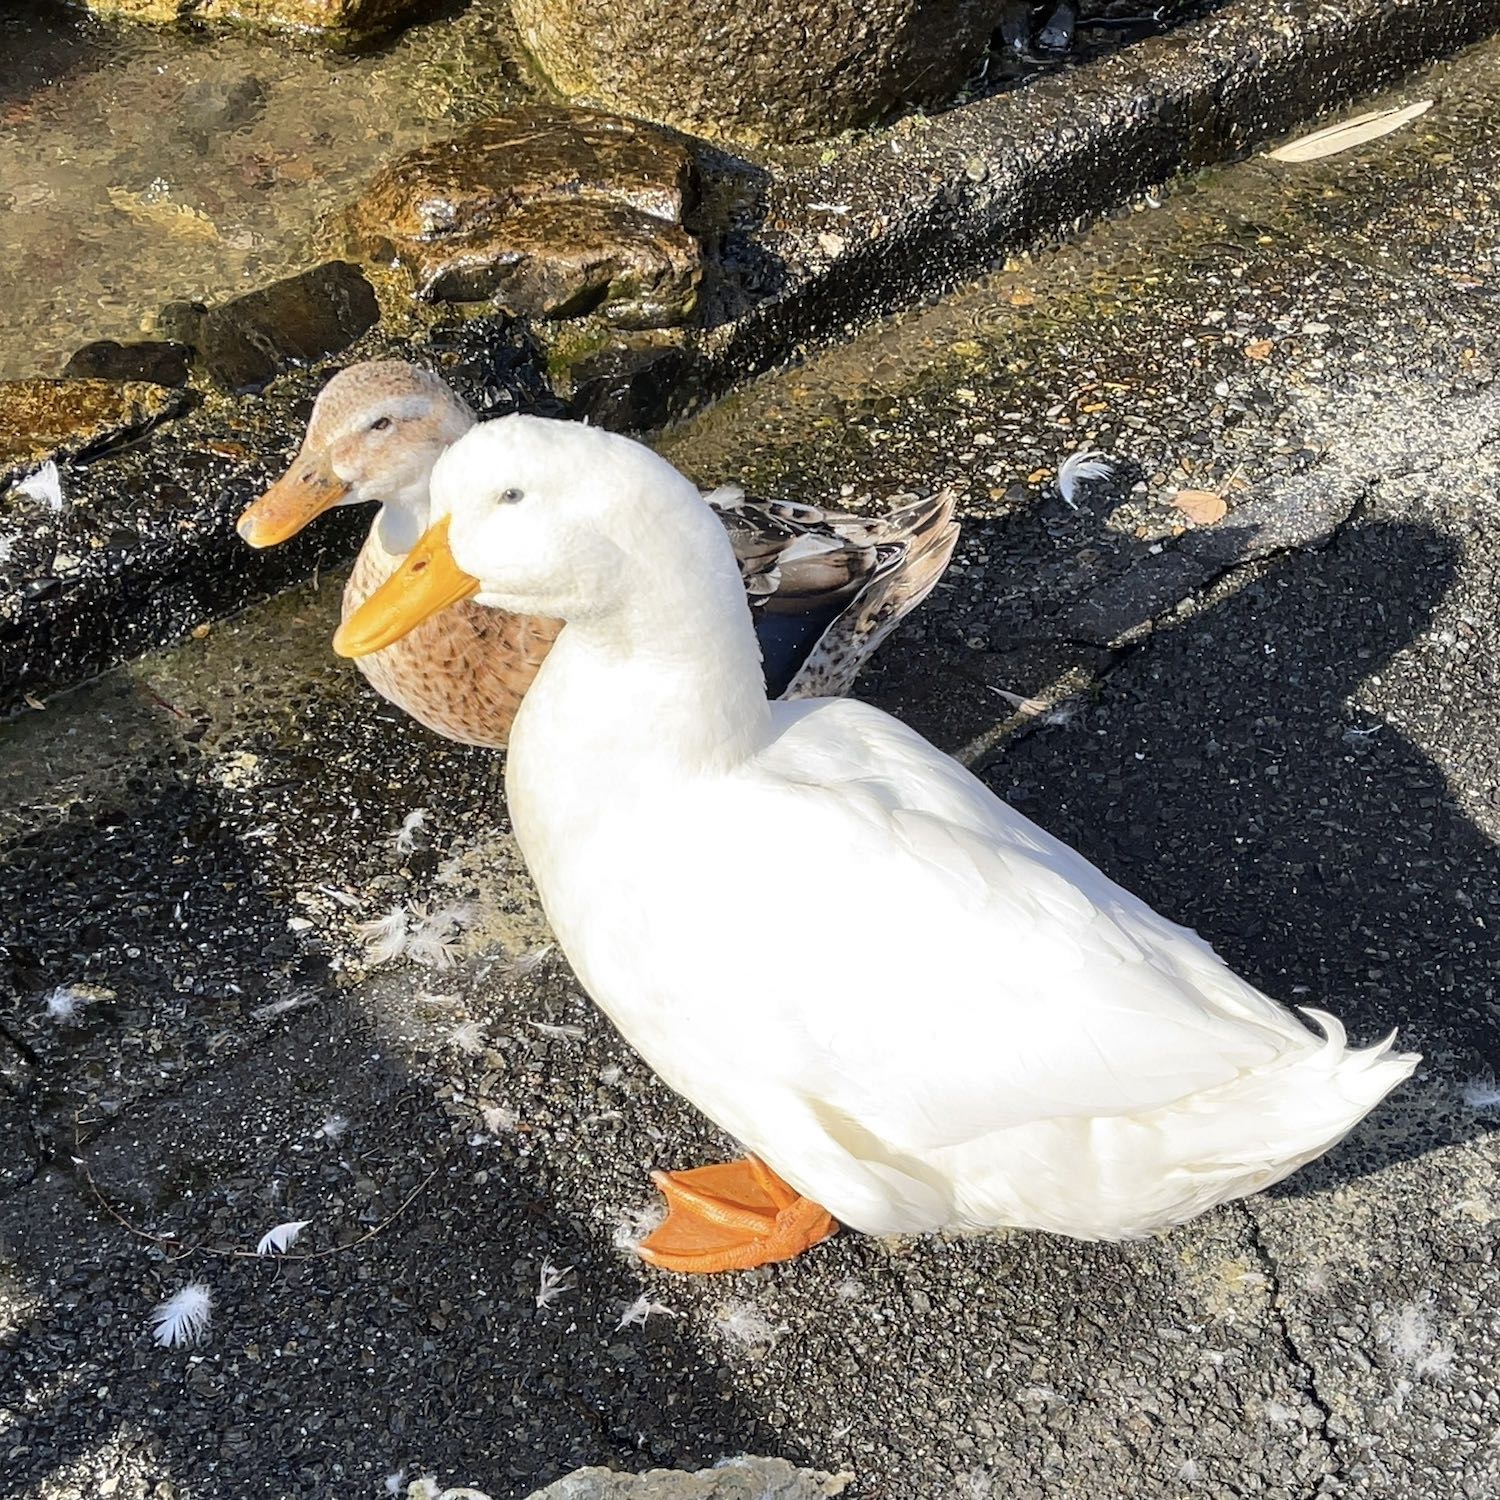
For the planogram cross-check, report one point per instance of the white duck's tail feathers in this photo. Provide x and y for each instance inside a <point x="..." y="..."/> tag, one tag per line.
<point x="1131" y="1175"/>
<point x="1269" y="1122"/>
<point x="1365" y="1074"/>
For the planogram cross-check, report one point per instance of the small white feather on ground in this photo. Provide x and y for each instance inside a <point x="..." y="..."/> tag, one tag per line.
<point x="333" y="1129"/>
<point x="640" y="1310"/>
<point x="1348" y="134"/>
<point x="385" y="936"/>
<point x="44" y="485"/>
<point x="411" y="825"/>
<point x="273" y="1008"/>
<point x="744" y="1324"/>
<point x="1409" y="1333"/>
<point x="558" y="1030"/>
<point x="437" y="940"/>
<point x="528" y="963"/>
<point x="1482" y="1093"/>
<point x="468" y="1037"/>
<point x="552" y="1283"/>
<point x="1078" y="468"/>
<point x="184" y="1317"/>
<point x="279" y="1240"/>
<point x="63" y="1006"/>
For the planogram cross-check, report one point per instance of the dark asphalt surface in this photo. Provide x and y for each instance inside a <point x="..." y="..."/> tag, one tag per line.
<point x="1283" y="728"/>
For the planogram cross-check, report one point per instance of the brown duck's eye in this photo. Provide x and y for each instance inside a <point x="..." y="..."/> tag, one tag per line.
<point x="511" y="496"/>
<point x="380" y="424"/>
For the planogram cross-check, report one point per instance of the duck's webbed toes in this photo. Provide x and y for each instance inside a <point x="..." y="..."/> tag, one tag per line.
<point x="731" y="1217"/>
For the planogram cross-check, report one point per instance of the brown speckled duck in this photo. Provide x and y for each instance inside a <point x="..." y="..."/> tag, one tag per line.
<point x="825" y="587"/>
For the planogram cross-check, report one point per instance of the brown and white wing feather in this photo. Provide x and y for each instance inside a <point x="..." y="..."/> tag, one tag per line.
<point x="826" y="587"/>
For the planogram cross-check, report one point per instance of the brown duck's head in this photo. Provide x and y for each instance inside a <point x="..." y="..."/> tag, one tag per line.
<point x="375" y="433"/>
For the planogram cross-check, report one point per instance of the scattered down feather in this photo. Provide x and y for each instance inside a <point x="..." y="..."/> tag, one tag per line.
<point x="640" y="1310"/>
<point x="552" y="1283"/>
<point x="184" y="1317"/>
<point x="1078" y="468"/>
<point x="44" y="485"/>
<point x="63" y="1005"/>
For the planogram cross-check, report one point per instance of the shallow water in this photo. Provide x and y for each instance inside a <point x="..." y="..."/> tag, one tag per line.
<point x="141" y="164"/>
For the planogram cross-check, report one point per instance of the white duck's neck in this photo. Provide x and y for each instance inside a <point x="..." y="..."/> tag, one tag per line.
<point x="669" y="678"/>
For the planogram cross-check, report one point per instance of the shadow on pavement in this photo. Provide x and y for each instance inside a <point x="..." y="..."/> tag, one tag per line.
<point x="1226" y="776"/>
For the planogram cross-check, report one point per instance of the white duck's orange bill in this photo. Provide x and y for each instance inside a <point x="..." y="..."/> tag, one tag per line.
<point x="429" y="580"/>
<point x="302" y="494"/>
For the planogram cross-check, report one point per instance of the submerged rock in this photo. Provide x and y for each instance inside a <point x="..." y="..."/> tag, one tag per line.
<point x="335" y="17"/>
<point x="553" y="212"/>
<point x="794" y="70"/>
<point x="158" y="361"/>
<point x="247" y="342"/>
<point x="42" y="419"/>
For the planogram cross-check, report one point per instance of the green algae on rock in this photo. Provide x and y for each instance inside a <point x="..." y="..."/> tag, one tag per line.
<point x="334" y="17"/>
<point x="793" y="71"/>
<point x="553" y="212"/>
<point x="42" y="419"/>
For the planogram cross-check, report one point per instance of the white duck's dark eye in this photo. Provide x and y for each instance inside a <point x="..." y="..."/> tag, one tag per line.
<point x="511" y="496"/>
<point x="380" y="424"/>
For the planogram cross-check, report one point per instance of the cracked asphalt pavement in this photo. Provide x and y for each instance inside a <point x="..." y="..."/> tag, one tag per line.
<point x="1252" y="673"/>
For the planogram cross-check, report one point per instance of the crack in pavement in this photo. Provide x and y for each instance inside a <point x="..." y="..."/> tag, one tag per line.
<point x="1305" y="1372"/>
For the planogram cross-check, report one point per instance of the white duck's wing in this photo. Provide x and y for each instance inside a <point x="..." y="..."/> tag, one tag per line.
<point x="827" y="587"/>
<point x="1014" y="981"/>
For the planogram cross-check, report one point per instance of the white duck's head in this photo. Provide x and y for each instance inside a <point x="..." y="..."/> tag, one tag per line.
<point x="556" y="519"/>
<point x="375" y="433"/>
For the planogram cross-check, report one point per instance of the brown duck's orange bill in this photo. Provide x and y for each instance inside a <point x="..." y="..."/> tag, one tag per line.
<point x="304" y="492"/>
<point x="429" y="580"/>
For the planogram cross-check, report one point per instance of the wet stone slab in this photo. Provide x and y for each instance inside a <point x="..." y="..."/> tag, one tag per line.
<point x="43" y="419"/>
<point x="143" y="547"/>
<point x="246" y="342"/>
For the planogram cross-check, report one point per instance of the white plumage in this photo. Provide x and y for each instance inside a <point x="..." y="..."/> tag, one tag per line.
<point x="954" y="1021"/>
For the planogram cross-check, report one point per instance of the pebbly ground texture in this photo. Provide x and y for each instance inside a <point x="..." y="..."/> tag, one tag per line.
<point x="1258" y="669"/>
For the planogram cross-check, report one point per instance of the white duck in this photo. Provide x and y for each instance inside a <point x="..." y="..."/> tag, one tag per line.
<point x="967" y="1026"/>
<point x="825" y="587"/>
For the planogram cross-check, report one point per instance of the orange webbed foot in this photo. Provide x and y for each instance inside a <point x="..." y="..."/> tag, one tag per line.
<point x="731" y="1217"/>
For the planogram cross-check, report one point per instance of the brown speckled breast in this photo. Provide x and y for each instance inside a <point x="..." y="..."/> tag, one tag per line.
<point x="462" y="673"/>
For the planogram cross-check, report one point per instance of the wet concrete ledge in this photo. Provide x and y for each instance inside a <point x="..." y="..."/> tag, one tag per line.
<point x="144" y="550"/>
<point x="934" y="200"/>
